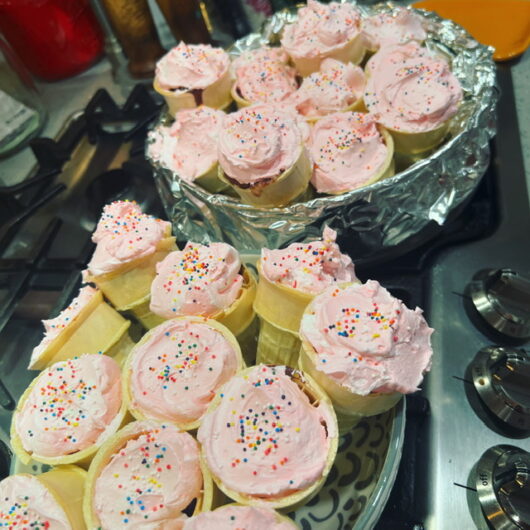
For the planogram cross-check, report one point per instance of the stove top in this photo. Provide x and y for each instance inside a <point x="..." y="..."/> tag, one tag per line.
<point x="45" y="228"/>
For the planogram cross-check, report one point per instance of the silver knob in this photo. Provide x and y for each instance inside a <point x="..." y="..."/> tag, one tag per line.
<point x="503" y="487"/>
<point x="502" y="379"/>
<point x="502" y="298"/>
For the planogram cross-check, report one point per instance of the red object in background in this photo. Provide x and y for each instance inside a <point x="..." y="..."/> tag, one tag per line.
<point x="54" y="38"/>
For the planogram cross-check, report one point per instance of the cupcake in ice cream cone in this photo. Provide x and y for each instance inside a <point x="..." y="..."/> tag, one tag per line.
<point x="388" y="29"/>
<point x="321" y="31"/>
<point x="68" y="411"/>
<point x="51" y="500"/>
<point x="189" y="147"/>
<point x="129" y="244"/>
<point x="148" y="475"/>
<point x="89" y="325"/>
<point x="238" y="517"/>
<point x="349" y="150"/>
<point x="207" y="281"/>
<point x="365" y="348"/>
<point x="289" y="279"/>
<point x="263" y="75"/>
<point x="175" y="370"/>
<point x="191" y="75"/>
<point x="335" y="87"/>
<point x="413" y="99"/>
<point x="269" y="437"/>
<point x="262" y="156"/>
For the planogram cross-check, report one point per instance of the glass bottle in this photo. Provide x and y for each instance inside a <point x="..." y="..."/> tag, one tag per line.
<point x="21" y="108"/>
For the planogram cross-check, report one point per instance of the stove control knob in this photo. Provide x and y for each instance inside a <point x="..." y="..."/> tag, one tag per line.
<point x="502" y="379"/>
<point x="503" y="487"/>
<point x="502" y="298"/>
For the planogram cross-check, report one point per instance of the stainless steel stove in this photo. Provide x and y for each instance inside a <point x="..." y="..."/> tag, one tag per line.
<point x="456" y="453"/>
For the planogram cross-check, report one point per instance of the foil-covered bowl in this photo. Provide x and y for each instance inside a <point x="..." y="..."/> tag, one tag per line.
<point x="376" y="221"/>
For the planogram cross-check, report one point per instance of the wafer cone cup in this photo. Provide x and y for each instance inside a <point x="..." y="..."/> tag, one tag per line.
<point x="132" y="281"/>
<point x="248" y="341"/>
<point x="141" y="312"/>
<point x="351" y="52"/>
<point x="216" y="96"/>
<point x="279" y="304"/>
<point x="240" y="314"/>
<point x="279" y="192"/>
<point x="241" y="102"/>
<point x="97" y="328"/>
<point x="81" y="458"/>
<point x="388" y="167"/>
<point x="136" y="411"/>
<point x="103" y="457"/>
<point x="210" y="180"/>
<point x="277" y="345"/>
<point x="297" y="499"/>
<point x="349" y="407"/>
<point x="66" y="485"/>
<point x="418" y="143"/>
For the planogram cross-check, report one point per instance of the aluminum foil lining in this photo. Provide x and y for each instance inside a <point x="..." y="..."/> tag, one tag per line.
<point x="373" y="221"/>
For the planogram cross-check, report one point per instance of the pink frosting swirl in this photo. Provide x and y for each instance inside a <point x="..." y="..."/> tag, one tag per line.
<point x="238" y="518"/>
<point x="418" y="95"/>
<point x="347" y="151"/>
<point x="335" y="87"/>
<point x="321" y="29"/>
<point x="263" y="75"/>
<point x="258" y="143"/>
<point x="71" y="406"/>
<point x="308" y="267"/>
<point x="189" y="146"/>
<point x="176" y="372"/>
<point x="265" y="439"/>
<point x="191" y="66"/>
<point x="150" y="480"/>
<point x="27" y="503"/>
<point x="124" y="234"/>
<point x="55" y="326"/>
<point x="367" y="340"/>
<point x="390" y="58"/>
<point x="398" y="27"/>
<point x="199" y="280"/>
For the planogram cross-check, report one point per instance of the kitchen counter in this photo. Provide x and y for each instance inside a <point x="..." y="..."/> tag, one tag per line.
<point x="65" y="97"/>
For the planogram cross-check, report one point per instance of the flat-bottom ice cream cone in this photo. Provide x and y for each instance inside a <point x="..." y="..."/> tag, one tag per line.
<point x="237" y="318"/>
<point x="277" y="345"/>
<point x="388" y="168"/>
<point x="80" y="458"/>
<point x="291" y="501"/>
<point x="140" y="311"/>
<point x="349" y="407"/>
<point x="97" y="328"/>
<point x="241" y="102"/>
<point x="67" y="485"/>
<point x="248" y="341"/>
<point x="278" y="192"/>
<point x="120" y="350"/>
<point x="351" y="52"/>
<point x="216" y="96"/>
<point x="203" y="503"/>
<point x="279" y="304"/>
<point x="53" y="499"/>
<point x="132" y="281"/>
<point x="136" y="409"/>
<point x="210" y="180"/>
<point x="420" y="142"/>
